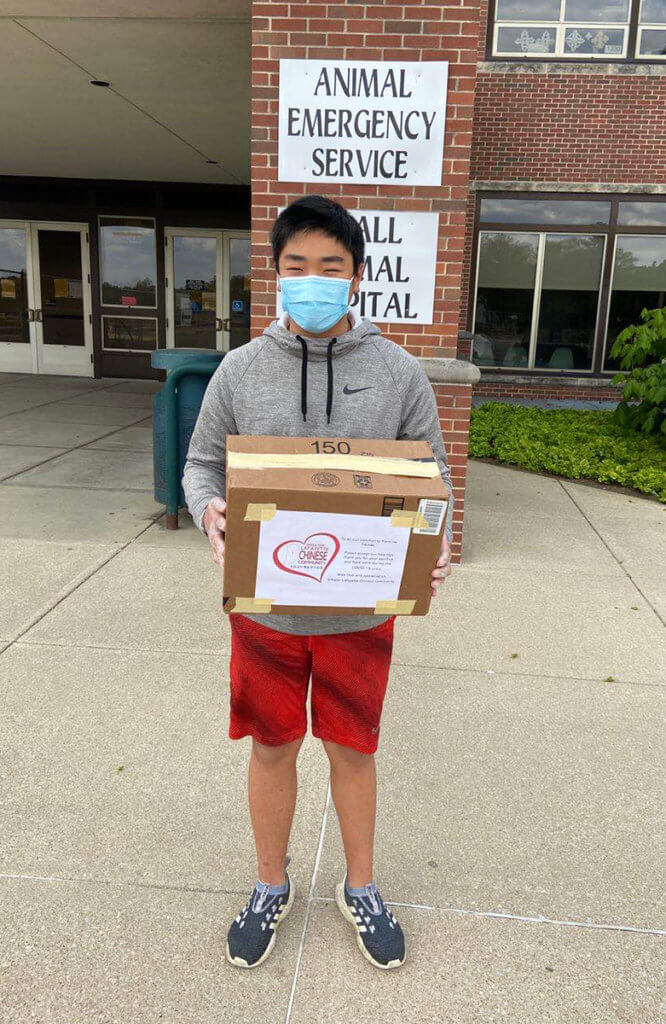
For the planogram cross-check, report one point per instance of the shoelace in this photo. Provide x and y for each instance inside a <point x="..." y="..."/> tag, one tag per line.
<point x="259" y="900"/>
<point x="374" y="899"/>
<point x="371" y="894"/>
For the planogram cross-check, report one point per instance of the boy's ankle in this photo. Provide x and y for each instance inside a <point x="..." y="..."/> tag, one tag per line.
<point x="357" y="884"/>
<point x="275" y="886"/>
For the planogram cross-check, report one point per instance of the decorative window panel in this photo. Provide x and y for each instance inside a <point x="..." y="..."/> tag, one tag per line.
<point x="563" y="28"/>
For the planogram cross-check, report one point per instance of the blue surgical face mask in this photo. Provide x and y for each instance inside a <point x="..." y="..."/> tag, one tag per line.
<point x="315" y="303"/>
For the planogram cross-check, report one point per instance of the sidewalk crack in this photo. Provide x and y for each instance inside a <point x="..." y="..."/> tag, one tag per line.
<point x="310" y="900"/>
<point x="611" y="552"/>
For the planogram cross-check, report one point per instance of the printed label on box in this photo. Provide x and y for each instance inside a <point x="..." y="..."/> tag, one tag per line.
<point x="433" y="511"/>
<point x="330" y="559"/>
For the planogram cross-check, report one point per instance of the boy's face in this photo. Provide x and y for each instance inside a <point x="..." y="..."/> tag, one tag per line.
<point x="313" y="252"/>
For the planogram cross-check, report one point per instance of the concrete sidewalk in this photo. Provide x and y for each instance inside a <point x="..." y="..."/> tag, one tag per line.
<point x="520" y="830"/>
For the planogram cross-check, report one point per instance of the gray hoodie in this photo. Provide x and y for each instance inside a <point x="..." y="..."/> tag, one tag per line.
<point x="358" y="384"/>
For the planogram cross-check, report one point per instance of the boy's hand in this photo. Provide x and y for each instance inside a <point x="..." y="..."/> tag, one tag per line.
<point x="443" y="568"/>
<point x="215" y="523"/>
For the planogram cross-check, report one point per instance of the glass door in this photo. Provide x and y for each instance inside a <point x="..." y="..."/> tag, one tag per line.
<point x="194" y="289"/>
<point x="62" y="320"/>
<point x="237" y="262"/>
<point x="208" y="288"/>
<point x="45" y="310"/>
<point x="16" y="350"/>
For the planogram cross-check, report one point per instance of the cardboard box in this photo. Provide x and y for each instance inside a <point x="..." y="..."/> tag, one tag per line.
<point x="331" y="525"/>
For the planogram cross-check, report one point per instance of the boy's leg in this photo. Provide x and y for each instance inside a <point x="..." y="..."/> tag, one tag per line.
<point x="269" y="673"/>
<point x="349" y="677"/>
<point x="272" y="787"/>
<point x="354" y="791"/>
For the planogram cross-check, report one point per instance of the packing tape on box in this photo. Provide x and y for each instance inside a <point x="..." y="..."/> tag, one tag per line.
<point x="253" y="604"/>
<point x="355" y="463"/>
<point x="258" y="513"/>
<point x="394" y="607"/>
<point x="405" y="517"/>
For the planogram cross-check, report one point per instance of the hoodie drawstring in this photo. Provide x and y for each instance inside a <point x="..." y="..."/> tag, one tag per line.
<point x="329" y="387"/>
<point x="304" y="377"/>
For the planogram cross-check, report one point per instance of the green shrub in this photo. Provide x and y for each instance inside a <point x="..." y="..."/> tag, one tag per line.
<point x="641" y="349"/>
<point x="569" y="442"/>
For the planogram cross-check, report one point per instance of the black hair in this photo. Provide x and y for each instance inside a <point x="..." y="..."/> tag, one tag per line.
<point x="318" y="213"/>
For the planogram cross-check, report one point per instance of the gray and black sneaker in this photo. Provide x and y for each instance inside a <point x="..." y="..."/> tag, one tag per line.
<point x="378" y="934"/>
<point x="252" y="934"/>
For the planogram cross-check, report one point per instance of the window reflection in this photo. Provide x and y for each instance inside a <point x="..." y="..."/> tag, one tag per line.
<point x="239" y="291"/>
<point x="569" y="301"/>
<point x="647" y="214"/>
<point x="653" y="42"/>
<point x="653" y="11"/>
<point x="61" y="286"/>
<point x="499" y="210"/>
<point x="639" y="282"/>
<point x="568" y="298"/>
<point x="13" y="287"/>
<point x="528" y="10"/>
<point x="195" y="291"/>
<point x="596" y="10"/>
<point x="505" y="296"/>
<point x="129" y="334"/>
<point x="128" y="265"/>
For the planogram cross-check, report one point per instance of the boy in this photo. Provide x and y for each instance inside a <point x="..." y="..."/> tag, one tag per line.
<point x="320" y="370"/>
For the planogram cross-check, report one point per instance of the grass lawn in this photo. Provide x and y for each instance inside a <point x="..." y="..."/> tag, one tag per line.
<point x="571" y="443"/>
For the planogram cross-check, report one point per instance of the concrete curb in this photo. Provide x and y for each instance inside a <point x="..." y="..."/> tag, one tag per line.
<point x="450" y="371"/>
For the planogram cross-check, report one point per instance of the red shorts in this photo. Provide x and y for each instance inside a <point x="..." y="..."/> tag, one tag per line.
<point x="270" y="672"/>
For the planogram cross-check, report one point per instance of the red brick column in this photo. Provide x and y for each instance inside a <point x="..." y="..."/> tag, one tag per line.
<point x="408" y="31"/>
<point x="454" y="402"/>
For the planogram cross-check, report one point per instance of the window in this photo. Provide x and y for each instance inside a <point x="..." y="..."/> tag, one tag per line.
<point x="129" y="334"/>
<point x="13" y="286"/>
<point x="642" y="214"/>
<point x="579" y="29"/>
<point x="545" y="211"/>
<point x="128" y="265"/>
<point x="639" y="282"/>
<point x="537" y="300"/>
<point x="652" y="29"/>
<point x="505" y="298"/>
<point x="558" y="277"/>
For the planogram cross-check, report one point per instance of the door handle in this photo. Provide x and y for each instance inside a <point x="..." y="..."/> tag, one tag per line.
<point x="222" y="324"/>
<point x="31" y="315"/>
<point x="38" y="316"/>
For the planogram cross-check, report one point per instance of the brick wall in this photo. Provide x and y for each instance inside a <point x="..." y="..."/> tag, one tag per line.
<point x="466" y="295"/>
<point x="570" y="127"/>
<point x="582" y="126"/>
<point x="405" y="31"/>
<point x="454" y="402"/>
<point x="559" y="390"/>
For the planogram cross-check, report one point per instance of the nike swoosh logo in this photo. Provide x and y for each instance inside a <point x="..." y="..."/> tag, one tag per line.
<point x="352" y="391"/>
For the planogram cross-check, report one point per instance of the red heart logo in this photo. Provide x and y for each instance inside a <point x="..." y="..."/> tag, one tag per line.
<point x="310" y="557"/>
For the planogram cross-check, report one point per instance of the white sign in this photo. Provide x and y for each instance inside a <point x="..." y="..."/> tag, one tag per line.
<point x="330" y="559"/>
<point x="398" y="284"/>
<point x="374" y="122"/>
<point x="400" y="261"/>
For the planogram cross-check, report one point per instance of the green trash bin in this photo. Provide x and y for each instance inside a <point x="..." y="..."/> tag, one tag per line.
<point x="175" y="411"/>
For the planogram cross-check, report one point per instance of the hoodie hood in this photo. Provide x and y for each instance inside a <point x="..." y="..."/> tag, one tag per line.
<point x="320" y="348"/>
<point x="317" y="347"/>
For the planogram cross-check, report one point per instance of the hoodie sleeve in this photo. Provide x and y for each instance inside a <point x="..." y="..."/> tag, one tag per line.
<point x="420" y="422"/>
<point x="205" y="465"/>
